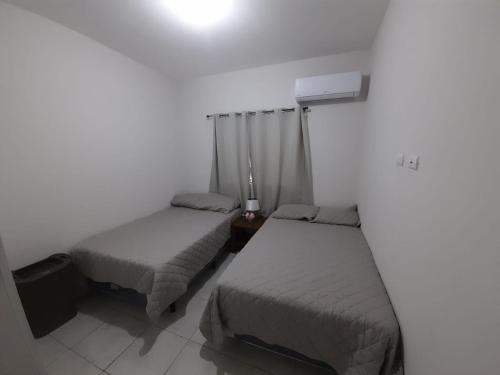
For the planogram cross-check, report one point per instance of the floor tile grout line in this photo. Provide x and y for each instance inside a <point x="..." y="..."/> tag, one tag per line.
<point x="147" y="323"/>
<point x="229" y="356"/>
<point x="177" y="334"/>
<point x="88" y="360"/>
<point x="194" y="333"/>
<point x="78" y="355"/>
<point x="119" y="355"/>
<point x="79" y="341"/>
<point x="53" y="360"/>
<point x="177" y="356"/>
<point x="124" y="350"/>
<point x="137" y="338"/>
<point x="72" y="350"/>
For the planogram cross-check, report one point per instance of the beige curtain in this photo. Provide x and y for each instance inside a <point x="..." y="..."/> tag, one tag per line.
<point x="278" y="145"/>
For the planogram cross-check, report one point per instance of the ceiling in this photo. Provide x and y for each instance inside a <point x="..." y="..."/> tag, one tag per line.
<point x="257" y="32"/>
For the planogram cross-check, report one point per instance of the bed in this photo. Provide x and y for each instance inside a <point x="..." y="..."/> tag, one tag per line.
<point x="157" y="255"/>
<point x="311" y="289"/>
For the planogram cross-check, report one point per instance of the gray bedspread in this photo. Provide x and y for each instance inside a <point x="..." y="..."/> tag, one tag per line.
<point x="312" y="288"/>
<point x="157" y="255"/>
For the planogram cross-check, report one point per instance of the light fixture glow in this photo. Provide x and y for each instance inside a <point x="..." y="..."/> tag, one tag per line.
<point x="200" y="13"/>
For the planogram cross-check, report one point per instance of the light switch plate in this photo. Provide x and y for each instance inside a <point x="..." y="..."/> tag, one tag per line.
<point x="413" y="161"/>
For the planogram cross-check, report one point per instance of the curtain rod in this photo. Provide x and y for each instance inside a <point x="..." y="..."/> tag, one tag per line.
<point x="305" y="109"/>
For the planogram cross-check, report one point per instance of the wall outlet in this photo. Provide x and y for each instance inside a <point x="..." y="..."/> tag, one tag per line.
<point x="413" y="161"/>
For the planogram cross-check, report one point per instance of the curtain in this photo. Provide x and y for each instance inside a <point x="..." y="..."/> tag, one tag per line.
<point x="277" y="143"/>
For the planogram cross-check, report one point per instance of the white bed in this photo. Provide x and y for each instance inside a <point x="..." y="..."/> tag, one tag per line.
<point x="157" y="255"/>
<point x="311" y="289"/>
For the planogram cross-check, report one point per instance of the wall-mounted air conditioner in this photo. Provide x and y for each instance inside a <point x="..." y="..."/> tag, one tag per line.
<point x="331" y="86"/>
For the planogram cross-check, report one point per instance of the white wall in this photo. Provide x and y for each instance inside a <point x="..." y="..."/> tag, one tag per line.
<point x="87" y="137"/>
<point x="18" y="355"/>
<point x="335" y="129"/>
<point x="434" y="233"/>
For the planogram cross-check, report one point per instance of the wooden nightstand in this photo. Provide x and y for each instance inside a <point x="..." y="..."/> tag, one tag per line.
<point x="242" y="230"/>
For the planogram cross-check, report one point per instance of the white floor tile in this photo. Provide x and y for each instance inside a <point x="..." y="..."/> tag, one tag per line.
<point x="76" y="329"/>
<point x="151" y="354"/>
<point x="201" y="360"/>
<point x="72" y="364"/>
<point x="185" y="320"/>
<point x="107" y="342"/>
<point x="49" y="349"/>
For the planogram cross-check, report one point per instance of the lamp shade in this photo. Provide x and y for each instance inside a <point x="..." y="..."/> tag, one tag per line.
<point x="252" y="205"/>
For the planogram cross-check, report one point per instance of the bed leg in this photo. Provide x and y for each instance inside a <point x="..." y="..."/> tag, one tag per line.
<point x="172" y="307"/>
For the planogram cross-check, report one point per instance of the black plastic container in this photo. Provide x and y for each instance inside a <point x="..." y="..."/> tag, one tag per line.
<point x="49" y="291"/>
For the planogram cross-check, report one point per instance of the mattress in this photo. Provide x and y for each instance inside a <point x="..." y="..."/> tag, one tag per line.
<point x="157" y="255"/>
<point x="311" y="288"/>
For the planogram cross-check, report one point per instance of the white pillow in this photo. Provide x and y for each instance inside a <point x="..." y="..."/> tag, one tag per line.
<point x="208" y="201"/>
<point x="296" y="212"/>
<point x="338" y="216"/>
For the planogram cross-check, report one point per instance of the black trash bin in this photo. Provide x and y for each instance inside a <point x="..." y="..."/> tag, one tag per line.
<point x="49" y="291"/>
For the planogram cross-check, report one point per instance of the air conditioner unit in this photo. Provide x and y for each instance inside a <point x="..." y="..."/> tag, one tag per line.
<point x="331" y="86"/>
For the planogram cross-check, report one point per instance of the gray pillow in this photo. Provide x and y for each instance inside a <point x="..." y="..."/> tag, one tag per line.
<point x="208" y="201"/>
<point x="338" y="216"/>
<point x="296" y="212"/>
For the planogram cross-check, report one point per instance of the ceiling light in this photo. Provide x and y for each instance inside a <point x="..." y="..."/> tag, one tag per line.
<point x="200" y="13"/>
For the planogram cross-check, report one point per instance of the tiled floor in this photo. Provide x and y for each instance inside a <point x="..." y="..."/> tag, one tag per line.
<point x="111" y="337"/>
